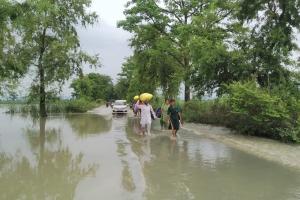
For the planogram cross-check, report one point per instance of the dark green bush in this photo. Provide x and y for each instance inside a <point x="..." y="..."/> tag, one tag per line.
<point x="79" y="105"/>
<point x="262" y="114"/>
<point x="250" y="110"/>
<point x="208" y="112"/>
<point x="100" y="101"/>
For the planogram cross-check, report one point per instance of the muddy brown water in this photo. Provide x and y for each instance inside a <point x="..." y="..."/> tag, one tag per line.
<point x="88" y="157"/>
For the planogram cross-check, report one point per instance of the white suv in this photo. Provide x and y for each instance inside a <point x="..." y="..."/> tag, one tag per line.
<point x="120" y="106"/>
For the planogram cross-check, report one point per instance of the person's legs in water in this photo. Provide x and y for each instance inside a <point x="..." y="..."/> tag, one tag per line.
<point x="175" y="127"/>
<point x="143" y="128"/>
<point x="173" y="130"/>
<point x="149" y="128"/>
<point x="162" y="124"/>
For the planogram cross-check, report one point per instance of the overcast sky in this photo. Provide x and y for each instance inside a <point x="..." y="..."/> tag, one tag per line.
<point x="105" y="39"/>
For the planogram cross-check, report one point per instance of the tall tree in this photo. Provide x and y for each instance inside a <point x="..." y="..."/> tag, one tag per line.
<point x="164" y="26"/>
<point x="50" y="43"/>
<point x="163" y="30"/>
<point x="215" y="48"/>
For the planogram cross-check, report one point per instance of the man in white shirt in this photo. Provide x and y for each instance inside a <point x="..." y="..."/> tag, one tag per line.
<point x="146" y="119"/>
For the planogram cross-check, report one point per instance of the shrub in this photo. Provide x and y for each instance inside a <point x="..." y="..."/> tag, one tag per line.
<point x="61" y="106"/>
<point x="250" y="110"/>
<point x="79" y="105"/>
<point x="100" y="101"/>
<point x="208" y="112"/>
<point x="262" y="114"/>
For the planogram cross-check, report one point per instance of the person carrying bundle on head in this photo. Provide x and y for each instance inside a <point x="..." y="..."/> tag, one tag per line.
<point x="147" y="113"/>
<point x="134" y="105"/>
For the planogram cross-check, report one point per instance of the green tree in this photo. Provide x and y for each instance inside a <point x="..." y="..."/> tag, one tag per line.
<point x="93" y="86"/>
<point x="135" y="75"/>
<point x="271" y="42"/>
<point x="49" y="41"/>
<point x="121" y="88"/>
<point x="162" y="29"/>
<point x="164" y="33"/>
<point x="215" y="49"/>
<point x="10" y="65"/>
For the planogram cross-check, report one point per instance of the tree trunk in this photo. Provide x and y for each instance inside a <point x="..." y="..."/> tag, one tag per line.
<point x="187" y="91"/>
<point x="43" y="112"/>
<point x="187" y="79"/>
<point x="42" y="92"/>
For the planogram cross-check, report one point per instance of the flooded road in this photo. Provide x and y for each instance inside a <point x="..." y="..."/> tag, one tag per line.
<point x="89" y="157"/>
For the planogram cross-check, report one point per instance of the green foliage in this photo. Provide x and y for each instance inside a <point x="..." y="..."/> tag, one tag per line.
<point x="59" y="106"/>
<point x="48" y="43"/>
<point x="264" y="114"/>
<point x="135" y="80"/>
<point x="93" y="86"/>
<point x="209" y="44"/>
<point x="217" y="59"/>
<point x="79" y="105"/>
<point x="161" y="33"/>
<point x="250" y="110"/>
<point x="271" y="40"/>
<point x="208" y="112"/>
<point x="259" y="112"/>
<point x="121" y="88"/>
<point x="10" y="66"/>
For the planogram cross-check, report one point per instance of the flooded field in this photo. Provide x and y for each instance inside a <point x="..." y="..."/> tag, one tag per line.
<point x="89" y="157"/>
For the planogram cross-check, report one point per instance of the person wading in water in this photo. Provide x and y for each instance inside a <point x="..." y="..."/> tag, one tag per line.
<point x="146" y="119"/>
<point x="174" y="117"/>
<point x="164" y="119"/>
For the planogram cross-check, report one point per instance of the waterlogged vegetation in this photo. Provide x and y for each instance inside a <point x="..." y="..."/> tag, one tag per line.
<point x="250" y="110"/>
<point x="60" y="106"/>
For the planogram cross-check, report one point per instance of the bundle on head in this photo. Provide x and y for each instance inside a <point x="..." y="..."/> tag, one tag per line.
<point x="146" y="97"/>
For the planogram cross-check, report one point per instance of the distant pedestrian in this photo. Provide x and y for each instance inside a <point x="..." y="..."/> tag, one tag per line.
<point x="175" y="117"/>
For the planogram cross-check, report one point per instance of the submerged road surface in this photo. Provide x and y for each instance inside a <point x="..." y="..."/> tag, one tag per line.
<point x="90" y="157"/>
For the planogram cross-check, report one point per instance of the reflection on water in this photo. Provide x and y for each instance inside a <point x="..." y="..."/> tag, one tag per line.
<point x="88" y="124"/>
<point x="89" y="157"/>
<point x="199" y="168"/>
<point x="38" y="137"/>
<point x="54" y="174"/>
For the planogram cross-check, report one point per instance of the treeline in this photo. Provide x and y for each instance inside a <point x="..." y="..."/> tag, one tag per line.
<point x="242" y="51"/>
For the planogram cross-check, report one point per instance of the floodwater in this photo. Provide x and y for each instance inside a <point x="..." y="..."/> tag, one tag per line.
<point x="89" y="157"/>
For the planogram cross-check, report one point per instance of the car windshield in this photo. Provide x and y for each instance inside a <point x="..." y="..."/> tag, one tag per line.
<point x="120" y="103"/>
